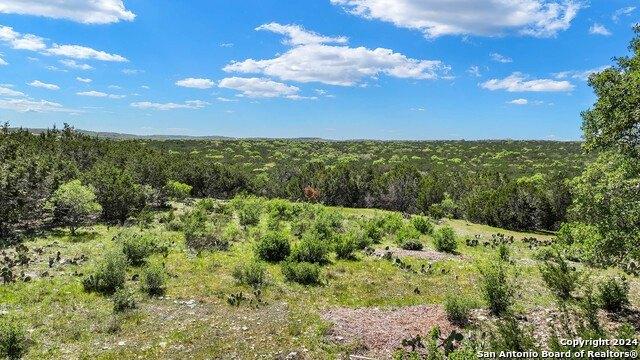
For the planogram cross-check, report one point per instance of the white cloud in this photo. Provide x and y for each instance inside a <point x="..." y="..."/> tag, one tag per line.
<point x="196" y="83"/>
<point x="84" y="80"/>
<point x="35" y="43"/>
<point x="42" y="85"/>
<point x="146" y="87"/>
<point x="622" y="12"/>
<point x="83" y="11"/>
<point x="474" y="71"/>
<point x="5" y="90"/>
<point x="517" y="82"/>
<point x="296" y="35"/>
<point x="541" y="18"/>
<point x="258" y="88"/>
<point x="21" y="41"/>
<point x="579" y="74"/>
<point x="501" y="58"/>
<point x="83" y="52"/>
<point x="3" y="61"/>
<point x="519" y="102"/>
<point x="100" y="94"/>
<point x="336" y="65"/>
<point x="226" y="45"/>
<point x="27" y="105"/>
<point x="132" y="71"/>
<point x="224" y="99"/>
<point x="192" y="104"/>
<point x="599" y="29"/>
<point x="116" y="87"/>
<point x="75" y="65"/>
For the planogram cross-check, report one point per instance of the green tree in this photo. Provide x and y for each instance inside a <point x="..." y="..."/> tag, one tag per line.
<point x="614" y="120"/>
<point x="178" y="191"/>
<point x="75" y="205"/>
<point x="117" y="192"/>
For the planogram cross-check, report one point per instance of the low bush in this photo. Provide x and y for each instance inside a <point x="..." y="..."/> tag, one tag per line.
<point x="497" y="287"/>
<point x="311" y="249"/>
<point x="613" y="294"/>
<point x="136" y="247"/>
<point x="560" y="277"/>
<point x="444" y="240"/>
<point x="373" y="230"/>
<point x="279" y="209"/>
<point x="253" y="273"/>
<point x="108" y="276"/>
<point x="273" y="246"/>
<point x="13" y="339"/>
<point x="154" y="279"/>
<point x="407" y="232"/>
<point x="248" y="210"/>
<point x="346" y="247"/>
<point x="457" y="309"/>
<point x="301" y="272"/>
<point x="123" y="300"/>
<point x="231" y="232"/>
<point x="422" y="224"/>
<point x="510" y="336"/>
<point x="177" y="191"/>
<point x="412" y="244"/>
<point x="504" y="252"/>
<point x="391" y="223"/>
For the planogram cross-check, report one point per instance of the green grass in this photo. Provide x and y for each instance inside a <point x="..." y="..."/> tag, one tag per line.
<point x="66" y="322"/>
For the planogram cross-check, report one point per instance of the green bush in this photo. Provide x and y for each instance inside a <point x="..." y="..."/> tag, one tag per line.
<point x="560" y="277"/>
<point x="497" y="287"/>
<point x="232" y="233"/>
<point x="510" y="336"/>
<point x="326" y="224"/>
<point x="108" y="276"/>
<point x="274" y="246"/>
<point x="457" y="309"/>
<point x="301" y="272"/>
<point x="392" y="223"/>
<point x="253" y="273"/>
<point x="373" y="230"/>
<point x="281" y="210"/>
<point x="123" y="300"/>
<point x="312" y="249"/>
<point x="202" y="234"/>
<point x="13" y="339"/>
<point x="412" y="244"/>
<point x="422" y="224"/>
<point x="613" y="294"/>
<point x="346" y="247"/>
<point x="154" y="279"/>
<point x="504" y="252"/>
<point x="177" y="191"/>
<point x="248" y="209"/>
<point x="136" y="247"/>
<point x="444" y="240"/>
<point x="407" y="232"/>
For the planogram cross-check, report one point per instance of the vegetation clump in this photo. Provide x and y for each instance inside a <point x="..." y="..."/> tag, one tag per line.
<point x="303" y="273"/>
<point x="497" y="287"/>
<point x="123" y="300"/>
<point x="154" y="278"/>
<point x="108" y="276"/>
<point x="13" y="339"/>
<point x="253" y="273"/>
<point x="457" y="309"/>
<point x="560" y="277"/>
<point x="613" y="294"/>
<point x="444" y="240"/>
<point x="274" y="246"/>
<point x="75" y="205"/>
<point x="422" y="224"/>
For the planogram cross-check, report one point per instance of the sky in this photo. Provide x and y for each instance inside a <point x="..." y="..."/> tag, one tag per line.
<point x="336" y="69"/>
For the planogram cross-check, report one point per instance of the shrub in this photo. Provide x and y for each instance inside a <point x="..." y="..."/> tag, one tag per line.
<point x="177" y="191"/>
<point x="444" y="240"/>
<point x="326" y="224"/>
<point x="497" y="287"/>
<point x="136" y="247"/>
<point x="346" y="247"/>
<point x="407" y="232"/>
<point x="279" y="209"/>
<point x="154" y="279"/>
<point x="311" y="249"/>
<point x="412" y="244"/>
<point x="253" y="273"/>
<point x="201" y="234"/>
<point x="248" y="210"/>
<point x="560" y="278"/>
<point x="301" y="272"/>
<point x="123" y="300"/>
<point x="108" y="276"/>
<point x="231" y="233"/>
<point x="613" y="294"/>
<point x="457" y="309"/>
<point x="392" y="223"/>
<point x="13" y="340"/>
<point x="274" y="246"/>
<point x="373" y="230"/>
<point x="510" y="336"/>
<point x="422" y="224"/>
<point x="503" y="252"/>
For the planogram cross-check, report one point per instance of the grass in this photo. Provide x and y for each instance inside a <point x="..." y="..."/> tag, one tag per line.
<point x="66" y="322"/>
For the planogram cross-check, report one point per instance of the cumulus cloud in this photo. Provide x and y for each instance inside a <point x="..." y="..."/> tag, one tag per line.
<point x="501" y="58"/>
<point x="28" y="105"/>
<point x="517" y="82"/>
<point x="196" y="83"/>
<point x="83" y="11"/>
<point x="100" y="94"/>
<point x="84" y="80"/>
<point x="519" y="102"/>
<point x="296" y="35"/>
<point x="540" y="18"/>
<point x="312" y="60"/>
<point x="258" y="88"/>
<point x="7" y="91"/>
<point x="578" y="74"/>
<point x="42" y="85"/>
<point x="192" y="104"/>
<point x="35" y="43"/>
<point x="599" y="29"/>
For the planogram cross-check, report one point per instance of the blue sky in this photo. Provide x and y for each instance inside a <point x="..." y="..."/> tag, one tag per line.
<point x="341" y="69"/>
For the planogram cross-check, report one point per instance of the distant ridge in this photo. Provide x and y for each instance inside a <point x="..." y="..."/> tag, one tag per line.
<point x="124" y="136"/>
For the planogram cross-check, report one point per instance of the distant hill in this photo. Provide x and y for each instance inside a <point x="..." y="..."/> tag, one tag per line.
<point x="122" y="136"/>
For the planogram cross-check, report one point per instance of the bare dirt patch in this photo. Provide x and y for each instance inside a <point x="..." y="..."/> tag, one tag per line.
<point x="423" y="254"/>
<point x="381" y="331"/>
